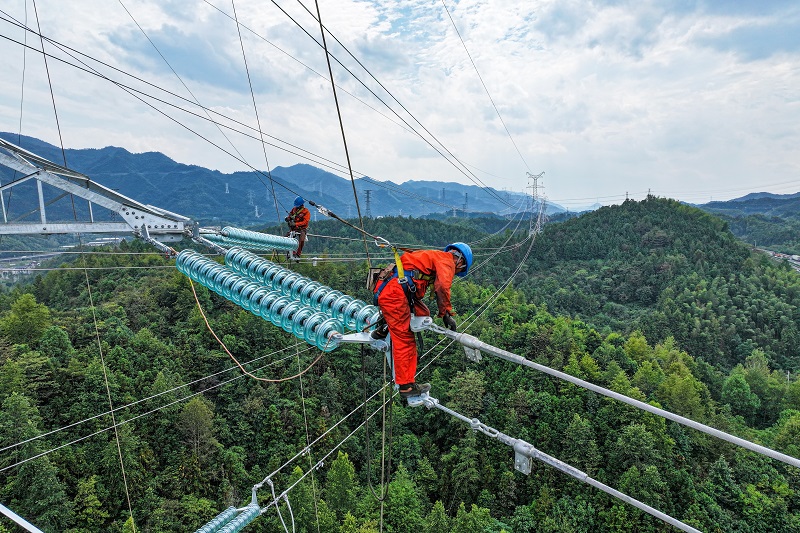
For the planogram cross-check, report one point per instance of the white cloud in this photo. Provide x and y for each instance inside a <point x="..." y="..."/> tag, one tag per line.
<point x="606" y="97"/>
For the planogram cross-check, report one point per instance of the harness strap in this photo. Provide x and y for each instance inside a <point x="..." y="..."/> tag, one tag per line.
<point x="408" y="287"/>
<point x="398" y="263"/>
<point x="381" y="287"/>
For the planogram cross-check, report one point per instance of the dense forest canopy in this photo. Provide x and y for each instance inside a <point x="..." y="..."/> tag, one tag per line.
<point x="651" y="299"/>
<point x="762" y="219"/>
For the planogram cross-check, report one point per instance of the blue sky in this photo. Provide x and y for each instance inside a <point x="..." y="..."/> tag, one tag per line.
<point x="691" y="100"/>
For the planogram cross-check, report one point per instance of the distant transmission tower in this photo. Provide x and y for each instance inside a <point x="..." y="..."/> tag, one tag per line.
<point x="368" y="211"/>
<point x="466" y="202"/>
<point x="533" y="199"/>
<point x="250" y="198"/>
<point x="226" y="189"/>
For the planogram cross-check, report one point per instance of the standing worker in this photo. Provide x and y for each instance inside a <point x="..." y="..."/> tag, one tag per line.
<point x="298" y="220"/>
<point x="398" y="298"/>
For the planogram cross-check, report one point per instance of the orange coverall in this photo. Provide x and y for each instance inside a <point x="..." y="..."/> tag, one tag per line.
<point x="298" y="220"/>
<point x="394" y="305"/>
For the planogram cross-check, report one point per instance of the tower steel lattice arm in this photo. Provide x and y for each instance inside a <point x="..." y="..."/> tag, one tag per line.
<point x="137" y="218"/>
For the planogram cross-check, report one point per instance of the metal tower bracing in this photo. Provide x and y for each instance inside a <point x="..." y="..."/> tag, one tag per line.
<point x="368" y="211"/>
<point x="56" y="182"/>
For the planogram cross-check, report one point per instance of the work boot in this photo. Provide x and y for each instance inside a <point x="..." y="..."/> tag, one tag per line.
<point x="414" y="389"/>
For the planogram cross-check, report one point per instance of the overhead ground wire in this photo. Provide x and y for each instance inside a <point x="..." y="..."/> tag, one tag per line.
<point x="86" y="274"/>
<point x="50" y="83"/>
<point x="197" y="101"/>
<point x="450" y="16"/>
<point x="307" y="155"/>
<point x="108" y="395"/>
<point x="255" y="110"/>
<point x="90" y="70"/>
<point x="463" y="169"/>
<point x="341" y="127"/>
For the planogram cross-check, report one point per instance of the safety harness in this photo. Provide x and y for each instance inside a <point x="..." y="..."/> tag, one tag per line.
<point x="404" y="278"/>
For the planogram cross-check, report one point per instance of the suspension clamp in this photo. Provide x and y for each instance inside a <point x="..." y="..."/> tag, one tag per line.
<point x="363" y="337"/>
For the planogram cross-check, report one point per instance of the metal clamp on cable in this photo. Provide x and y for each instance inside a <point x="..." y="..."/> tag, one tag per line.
<point x="470" y="343"/>
<point x="423" y="399"/>
<point x="142" y="233"/>
<point x="322" y="209"/>
<point x="421" y="323"/>
<point x="205" y="242"/>
<point x="363" y="337"/>
<point x="275" y="501"/>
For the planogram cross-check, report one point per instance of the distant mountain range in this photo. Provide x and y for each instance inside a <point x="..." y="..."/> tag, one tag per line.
<point x="246" y="198"/>
<point x="758" y="203"/>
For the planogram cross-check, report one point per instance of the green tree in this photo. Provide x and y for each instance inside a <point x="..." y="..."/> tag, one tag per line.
<point x="792" y="397"/>
<point x="326" y="518"/>
<point x="464" y="464"/>
<point x="684" y="395"/>
<point x="722" y="486"/>
<point x="195" y="423"/>
<point x="128" y="526"/>
<point x="736" y="393"/>
<point x="90" y="514"/>
<point x="341" y="487"/>
<point x="635" y="446"/>
<point x="303" y="503"/>
<point x="648" y="377"/>
<point x="476" y="520"/>
<point x="55" y="344"/>
<point x="404" y="510"/>
<point x="349" y="524"/>
<point x="26" y="321"/>
<point x="437" y="519"/>
<point x="580" y="448"/>
<point x="467" y="390"/>
<point x="787" y="438"/>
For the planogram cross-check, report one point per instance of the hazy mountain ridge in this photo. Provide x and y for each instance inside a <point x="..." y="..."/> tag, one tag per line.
<point x="210" y="195"/>
<point x="763" y="219"/>
<point x="762" y="203"/>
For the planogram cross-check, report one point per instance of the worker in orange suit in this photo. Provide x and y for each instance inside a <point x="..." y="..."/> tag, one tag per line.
<point x="298" y="220"/>
<point x="422" y="269"/>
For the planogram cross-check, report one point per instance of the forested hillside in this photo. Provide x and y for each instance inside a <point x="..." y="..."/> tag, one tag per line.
<point x="779" y="234"/>
<point x="195" y="433"/>
<point x="765" y="220"/>
<point x="670" y="270"/>
<point x="658" y="266"/>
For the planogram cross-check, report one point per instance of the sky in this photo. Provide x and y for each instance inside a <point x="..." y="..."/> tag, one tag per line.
<point x="693" y="100"/>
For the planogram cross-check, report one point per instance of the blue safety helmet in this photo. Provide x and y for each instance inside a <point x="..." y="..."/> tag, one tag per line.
<point x="299" y="201"/>
<point x="465" y="251"/>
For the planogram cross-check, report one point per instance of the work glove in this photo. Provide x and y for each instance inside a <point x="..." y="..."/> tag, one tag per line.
<point x="449" y="321"/>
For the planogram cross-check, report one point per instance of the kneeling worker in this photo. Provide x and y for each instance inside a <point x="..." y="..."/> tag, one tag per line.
<point x="298" y="220"/>
<point x="422" y="268"/>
